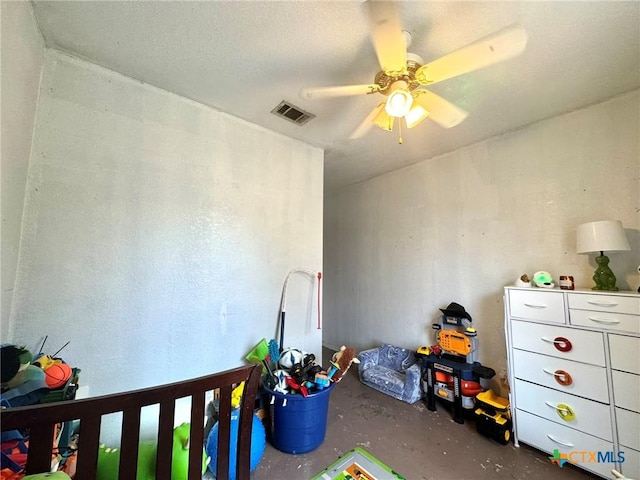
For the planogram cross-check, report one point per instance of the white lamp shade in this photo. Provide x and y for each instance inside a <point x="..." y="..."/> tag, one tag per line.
<point x="399" y="100"/>
<point x="603" y="236"/>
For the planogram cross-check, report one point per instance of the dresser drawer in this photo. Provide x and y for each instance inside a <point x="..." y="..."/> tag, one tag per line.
<point x="585" y="415"/>
<point x="626" y="390"/>
<point x="537" y="305"/>
<point x="621" y="322"/>
<point x="587" y="381"/>
<point x="625" y="353"/>
<point x="549" y="436"/>
<point x="605" y="303"/>
<point x="563" y="342"/>
<point x="628" y="428"/>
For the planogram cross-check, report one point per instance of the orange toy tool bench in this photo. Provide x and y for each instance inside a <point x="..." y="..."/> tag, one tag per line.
<point x="452" y="380"/>
<point x="450" y="370"/>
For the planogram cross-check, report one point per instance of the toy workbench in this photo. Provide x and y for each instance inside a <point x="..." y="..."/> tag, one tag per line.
<point x="450" y="370"/>
<point x="358" y="464"/>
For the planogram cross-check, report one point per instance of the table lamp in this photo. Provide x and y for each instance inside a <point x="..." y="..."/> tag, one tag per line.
<point x="603" y="236"/>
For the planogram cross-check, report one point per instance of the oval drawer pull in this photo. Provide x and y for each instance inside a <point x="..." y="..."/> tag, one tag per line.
<point x="532" y="305"/>
<point x="602" y="304"/>
<point x="562" y="344"/>
<point x="566" y="444"/>
<point x="604" y="321"/>
<point x="564" y="411"/>
<point x="562" y="377"/>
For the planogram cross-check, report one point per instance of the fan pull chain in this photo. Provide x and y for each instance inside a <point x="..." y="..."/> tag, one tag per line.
<point x="400" y="131"/>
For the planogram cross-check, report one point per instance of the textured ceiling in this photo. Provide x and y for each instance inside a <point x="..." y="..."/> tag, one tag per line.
<point x="244" y="57"/>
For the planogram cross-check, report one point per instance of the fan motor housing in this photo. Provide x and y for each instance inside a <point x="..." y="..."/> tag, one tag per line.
<point x="414" y="62"/>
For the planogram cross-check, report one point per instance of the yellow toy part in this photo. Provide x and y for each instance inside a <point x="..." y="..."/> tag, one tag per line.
<point x="236" y="395"/>
<point x="424" y="350"/>
<point x="491" y="399"/>
<point x="454" y="342"/>
<point x="47" y="361"/>
<point x="493" y="416"/>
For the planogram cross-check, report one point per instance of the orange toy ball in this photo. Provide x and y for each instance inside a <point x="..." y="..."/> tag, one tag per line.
<point x="57" y="376"/>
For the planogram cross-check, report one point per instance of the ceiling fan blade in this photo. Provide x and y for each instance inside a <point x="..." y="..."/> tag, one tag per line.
<point x="502" y="45"/>
<point x="441" y="111"/>
<point x="367" y="123"/>
<point x="386" y="35"/>
<point x="343" y="91"/>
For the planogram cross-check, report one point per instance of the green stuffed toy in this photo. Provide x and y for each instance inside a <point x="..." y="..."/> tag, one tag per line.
<point x="109" y="461"/>
<point x="109" y="458"/>
<point x="180" y="462"/>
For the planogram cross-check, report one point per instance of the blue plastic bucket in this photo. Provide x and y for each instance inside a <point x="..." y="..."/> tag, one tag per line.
<point x="298" y="424"/>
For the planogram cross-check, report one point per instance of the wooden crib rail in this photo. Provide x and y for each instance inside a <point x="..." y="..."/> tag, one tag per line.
<point x="42" y="419"/>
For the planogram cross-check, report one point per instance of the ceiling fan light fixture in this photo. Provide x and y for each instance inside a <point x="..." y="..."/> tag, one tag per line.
<point x="383" y="120"/>
<point x="416" y="115"/>
<point x="399" y="100"/>
<point x="403" y="73"/>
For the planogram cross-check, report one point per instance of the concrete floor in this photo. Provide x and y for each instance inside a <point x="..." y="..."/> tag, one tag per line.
<point x="415" y="442"/>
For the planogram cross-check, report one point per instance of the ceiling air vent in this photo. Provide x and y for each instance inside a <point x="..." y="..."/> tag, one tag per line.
<point x="292" y="113"/>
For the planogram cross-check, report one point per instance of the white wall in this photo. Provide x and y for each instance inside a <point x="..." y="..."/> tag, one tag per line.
<point x="158" y="232"/>
<point x="21" y="60"/>
<point x="461" y="226"/>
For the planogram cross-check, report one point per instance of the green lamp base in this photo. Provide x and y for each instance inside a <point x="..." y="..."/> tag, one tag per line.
<point x="603" y="276"/>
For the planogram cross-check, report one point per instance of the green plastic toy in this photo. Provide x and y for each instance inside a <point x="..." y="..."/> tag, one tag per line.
<point x="48" y="476"/>
<point x="109" y="458"/>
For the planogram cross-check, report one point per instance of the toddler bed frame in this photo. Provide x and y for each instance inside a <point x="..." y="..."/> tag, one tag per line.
<point x="41" y="420"/>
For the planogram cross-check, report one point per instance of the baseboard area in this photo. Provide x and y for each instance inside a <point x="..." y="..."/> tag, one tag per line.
<point x="330" y="347"/>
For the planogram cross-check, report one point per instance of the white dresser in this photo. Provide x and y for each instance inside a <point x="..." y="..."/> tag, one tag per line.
<point x="574" y="372"/>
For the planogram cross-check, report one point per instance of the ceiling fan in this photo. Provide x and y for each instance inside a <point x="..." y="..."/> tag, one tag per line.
<point x="403" y="75"/>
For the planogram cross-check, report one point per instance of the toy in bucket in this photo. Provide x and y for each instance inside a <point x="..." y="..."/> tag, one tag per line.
<point x="260" y="355"/>
<point x="299" y="403"/>
<point x="297" y="423"/>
